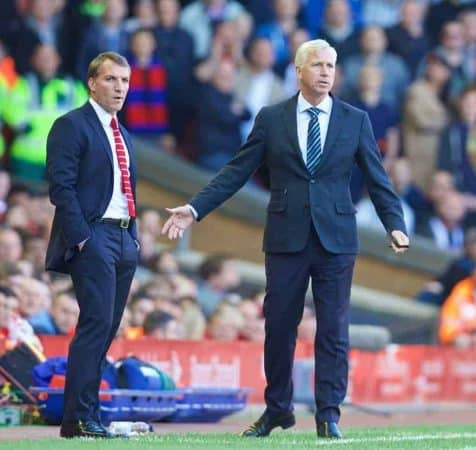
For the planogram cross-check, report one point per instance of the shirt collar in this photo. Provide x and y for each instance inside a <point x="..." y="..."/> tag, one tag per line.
<point x="325" y="106"/>
<point x="103" y="115"/>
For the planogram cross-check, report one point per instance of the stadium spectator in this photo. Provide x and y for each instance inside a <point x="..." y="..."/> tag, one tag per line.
<point x="424" y="117"/>
<point x="253" y="322"/>
<point x="383" y="119"/>
<point x="458" y="144"/>
<point x="407" y="38"/>
<point x="175" y="48"/>
<point x="36" y="100"/>
<point x="11" y="246"/>
<point x="436" y="291"/>
<point x="8" y="77"/>
<point x="162" y="325"/>
<point x="43" y="24"/>
<point x="144" y="16"/>
<point x="5" y="184"/>
<point x="218" y="276"/>
<point x="451" y="47"/>
<point x="400" y="174"/>
<point x="256" y="85"/>
<point x="62" y="315"/>
<point x="193" y="320"/>
<point x="373" y="44"/>
<point x="108" y="34"/>
<point x="201" y="16"/>
<point x="219" y="119"/>
<point x="296" y="38"/>
<point x="34" y="299"/>
<point x="226" y="47"/>
<point x="225" y="323"/>
<point x="445" y="227"/>
<point x="149" y="221"/>
<point x="139" y="307"/>
<point x="384" y="14"/>
<point x="14" y="329"/>
<point x="468" y="20"/>
<point x="339" y="30"/>
<point x="458" y="315"/>
<point x="313" y="14"/>
<point x="279" y="30"/>
<point x="146" y="111"/>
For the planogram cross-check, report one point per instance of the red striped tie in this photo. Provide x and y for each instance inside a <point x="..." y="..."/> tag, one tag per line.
<point x="121" y="159"/>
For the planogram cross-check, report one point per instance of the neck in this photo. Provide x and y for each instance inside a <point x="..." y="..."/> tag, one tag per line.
<point x="314" y="100"/>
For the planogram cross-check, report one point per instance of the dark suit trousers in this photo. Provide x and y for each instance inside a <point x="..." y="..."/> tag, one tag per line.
<point x="287" y="276"/>
<point x="102" y="274"/>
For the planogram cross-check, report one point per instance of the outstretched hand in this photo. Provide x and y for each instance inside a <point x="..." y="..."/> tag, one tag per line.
<point x="181" y="218"/>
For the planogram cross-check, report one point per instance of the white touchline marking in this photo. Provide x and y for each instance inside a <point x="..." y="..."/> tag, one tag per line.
<point x="400" y="438"/>
<point x="325" y="441"/>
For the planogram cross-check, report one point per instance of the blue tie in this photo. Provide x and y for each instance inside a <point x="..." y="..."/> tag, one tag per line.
<point x="314" y="149"/>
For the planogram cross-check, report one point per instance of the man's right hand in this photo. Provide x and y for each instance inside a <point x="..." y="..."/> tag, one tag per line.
<point x="181" y="218"/>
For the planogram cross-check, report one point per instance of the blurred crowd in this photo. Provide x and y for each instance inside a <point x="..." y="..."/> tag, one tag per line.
<point x="164" y="302"/>
<point x="201" y="70"/>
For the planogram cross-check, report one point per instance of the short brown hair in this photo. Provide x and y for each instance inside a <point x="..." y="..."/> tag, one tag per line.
<point x="98" y="61"/>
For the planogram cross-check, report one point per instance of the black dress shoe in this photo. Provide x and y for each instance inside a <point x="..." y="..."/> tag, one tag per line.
<point x="88" y="428"/>
<point x="263" y="426"/>
<point x="328" y="430"/>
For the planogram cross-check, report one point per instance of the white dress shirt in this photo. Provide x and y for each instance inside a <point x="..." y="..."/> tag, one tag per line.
<point x="303" y="118"/>
<point x="117" y="208"/>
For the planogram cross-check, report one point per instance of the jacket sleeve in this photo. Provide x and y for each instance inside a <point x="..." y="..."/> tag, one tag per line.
<point x="235" y="173"/>
<point x="63" y="154"/>
<point x="386" y="202"/>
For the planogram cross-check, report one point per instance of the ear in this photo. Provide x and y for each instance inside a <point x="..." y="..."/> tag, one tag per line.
<point x="91" y="84"/>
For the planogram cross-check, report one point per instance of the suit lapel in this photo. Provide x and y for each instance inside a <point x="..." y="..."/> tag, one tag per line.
<point x="290" y="121"/>
<point x="335" y="124"/>
<point x="98" y="129"/>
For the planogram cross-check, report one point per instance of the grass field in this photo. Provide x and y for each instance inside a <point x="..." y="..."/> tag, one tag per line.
<point x="451" y="437"/>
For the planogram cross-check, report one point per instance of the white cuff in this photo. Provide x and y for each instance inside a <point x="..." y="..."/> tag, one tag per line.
<point x="194" y="211"/>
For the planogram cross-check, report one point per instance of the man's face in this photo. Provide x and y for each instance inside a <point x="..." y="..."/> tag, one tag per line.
<point x="7" y="307"/>
<point x="109" y="88"/>
<point x="65" y="312"/>
<point x="317" y="73"/>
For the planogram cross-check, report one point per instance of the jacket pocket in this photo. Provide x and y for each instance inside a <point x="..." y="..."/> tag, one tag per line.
<point x="345" y="208"/>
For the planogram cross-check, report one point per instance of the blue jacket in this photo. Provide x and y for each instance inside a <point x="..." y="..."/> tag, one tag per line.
<point x="299" y="200"/>
<point x="80" y="173"/>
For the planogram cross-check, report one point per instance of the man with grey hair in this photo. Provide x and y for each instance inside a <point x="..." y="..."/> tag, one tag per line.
<point x="91" y="174"/>
<point x="309" y="144"/>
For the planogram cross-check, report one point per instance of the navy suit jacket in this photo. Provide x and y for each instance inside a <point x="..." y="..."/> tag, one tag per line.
<point x="80" y="173"/>
<point x="299" y="200"/>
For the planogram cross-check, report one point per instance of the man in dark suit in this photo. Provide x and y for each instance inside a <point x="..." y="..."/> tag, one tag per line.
<point x="91" y="174"/>
<point x="309" y="144"/>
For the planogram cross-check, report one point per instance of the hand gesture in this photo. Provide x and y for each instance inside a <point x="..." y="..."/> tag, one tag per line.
<point x="400" y="241"/>
<point x="181" y="218"/>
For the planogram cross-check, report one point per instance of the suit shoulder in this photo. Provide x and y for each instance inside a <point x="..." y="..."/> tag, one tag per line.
<point x="350" y="108"/>
<point x="75" y="115"/>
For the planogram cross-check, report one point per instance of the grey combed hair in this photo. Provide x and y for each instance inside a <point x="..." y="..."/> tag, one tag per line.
<point x="308" y="46"/>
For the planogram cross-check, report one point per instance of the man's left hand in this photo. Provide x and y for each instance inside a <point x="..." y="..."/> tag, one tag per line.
<point x="400" y="241"/>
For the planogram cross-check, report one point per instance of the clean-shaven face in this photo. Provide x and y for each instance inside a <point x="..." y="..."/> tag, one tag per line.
<point x="109" y="88"/>
<point x="317" y="73"/>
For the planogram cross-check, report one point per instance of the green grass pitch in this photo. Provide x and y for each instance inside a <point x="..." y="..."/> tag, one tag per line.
<point x="451" y="437"/>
